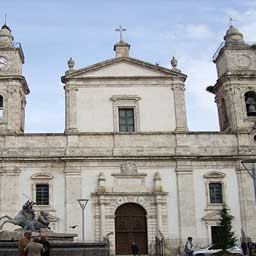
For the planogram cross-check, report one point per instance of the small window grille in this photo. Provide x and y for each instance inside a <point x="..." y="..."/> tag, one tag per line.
<point x="126" y="120"/>
<point x="1" y="106"/>
<point x="42" y="194"/>
<point x="216" y="196"/>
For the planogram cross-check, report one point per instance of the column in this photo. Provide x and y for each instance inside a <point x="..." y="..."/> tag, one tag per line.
<point x="9" y="193"/>
<point x="247" y="202"/>
<point x="73" y="214"/>
<point x="159" y="213"/>
<point x="70" y="109"/>
<point x="102" y="218"/>
<point x="180" y="107"/>
<point x="186" y="201"/>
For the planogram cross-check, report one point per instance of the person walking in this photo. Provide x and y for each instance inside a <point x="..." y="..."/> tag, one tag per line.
<point x="244" y="247"/>
<point x="189" y="247"/>
<point x="135" y="249"/>
<point x="46" y="246"/>
<point x="34" y="248"/>
<point x="23" y="243"/>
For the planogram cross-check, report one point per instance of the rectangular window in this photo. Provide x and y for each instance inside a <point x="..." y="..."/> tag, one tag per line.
<point x="216" y="196"/>
<point x="42" y="194"/>
<point x="126" y="120"/>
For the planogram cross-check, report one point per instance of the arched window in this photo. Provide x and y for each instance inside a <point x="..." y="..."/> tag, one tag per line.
<point x="1" y="106"/>
<point x="250" y="101"/>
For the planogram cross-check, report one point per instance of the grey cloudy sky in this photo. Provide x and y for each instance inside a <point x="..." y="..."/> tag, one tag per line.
<point x="51" y="31"/>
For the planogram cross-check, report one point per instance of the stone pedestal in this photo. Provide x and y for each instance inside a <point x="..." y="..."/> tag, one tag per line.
<point x="61" y="244"/>
<point x="10" y="248"/>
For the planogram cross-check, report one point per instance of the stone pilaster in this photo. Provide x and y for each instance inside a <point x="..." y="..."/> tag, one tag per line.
<point x="9" y="184"/>
<point x="70" y="109"/>
<point x="186" y="199"/>
<point x="180" y="107"/>
<point x="247" y="202"/>
<point x="102" y="217"/>
<point x="73" y="214"/>
<point x="159" y="213"/>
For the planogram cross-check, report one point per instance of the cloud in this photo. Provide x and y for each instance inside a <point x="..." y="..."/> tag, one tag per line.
<point x="201" y="108"/>
<point x="200" y="31"/>
<point x="188" y="32"/>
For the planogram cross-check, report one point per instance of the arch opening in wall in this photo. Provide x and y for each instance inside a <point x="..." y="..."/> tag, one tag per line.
<point x="130" y="226"/>
<point x="250" y="101"/>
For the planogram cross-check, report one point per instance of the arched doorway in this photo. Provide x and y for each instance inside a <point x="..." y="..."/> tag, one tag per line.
<point x="130" y="225"/>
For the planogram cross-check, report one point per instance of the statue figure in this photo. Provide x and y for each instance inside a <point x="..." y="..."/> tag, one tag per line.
<point x="25" y="218"/>
<point x="42" y="221"/>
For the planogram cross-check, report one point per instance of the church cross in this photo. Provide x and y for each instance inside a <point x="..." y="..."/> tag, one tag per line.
<point x="120" y="30"/>
<point x="231" y="21"/>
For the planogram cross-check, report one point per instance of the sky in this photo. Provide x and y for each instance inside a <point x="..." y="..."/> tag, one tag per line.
<point x="52" y="31"/>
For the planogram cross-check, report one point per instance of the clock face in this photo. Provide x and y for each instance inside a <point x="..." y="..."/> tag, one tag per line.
<point x="3" y="62"/>
<point x="243" y="61"/>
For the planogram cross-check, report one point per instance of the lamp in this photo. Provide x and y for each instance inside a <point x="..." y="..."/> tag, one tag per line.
<point x="83" y="203"/>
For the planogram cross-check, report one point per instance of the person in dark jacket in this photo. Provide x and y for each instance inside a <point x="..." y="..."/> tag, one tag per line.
<point x="244" y="248"/>
<point x="46" y="246"/>
<point x="135" y="249"/>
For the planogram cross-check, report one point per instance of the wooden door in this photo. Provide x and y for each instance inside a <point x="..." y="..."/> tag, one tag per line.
<point x="131" y="226"/>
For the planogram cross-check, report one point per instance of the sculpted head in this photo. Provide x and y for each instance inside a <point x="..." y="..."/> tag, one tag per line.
<point x="43" y="213"/>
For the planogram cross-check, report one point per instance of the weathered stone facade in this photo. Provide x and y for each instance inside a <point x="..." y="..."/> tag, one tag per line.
<point x="161" y="166"/>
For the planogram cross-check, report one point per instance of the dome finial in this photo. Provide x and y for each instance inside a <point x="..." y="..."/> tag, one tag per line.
<point x="6" y="37"/>
<point x="233" y="35"/>
<point x="5" y="23"/>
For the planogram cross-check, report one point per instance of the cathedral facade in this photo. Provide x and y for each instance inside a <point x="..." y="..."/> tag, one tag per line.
<point x="127" y="149"/>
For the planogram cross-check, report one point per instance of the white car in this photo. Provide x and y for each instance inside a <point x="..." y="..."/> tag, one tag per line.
<point x="236" y="250"/>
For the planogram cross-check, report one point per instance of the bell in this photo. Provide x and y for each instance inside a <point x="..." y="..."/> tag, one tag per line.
<point x="252" y="109"/>
<point x="251" y="106"/>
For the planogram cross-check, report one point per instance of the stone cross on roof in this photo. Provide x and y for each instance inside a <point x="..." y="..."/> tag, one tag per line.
<point x="120" y="30"/>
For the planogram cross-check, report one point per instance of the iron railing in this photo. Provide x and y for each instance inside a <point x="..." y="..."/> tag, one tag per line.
<point x="18" y="46"/>
<point x="222" y="44"/>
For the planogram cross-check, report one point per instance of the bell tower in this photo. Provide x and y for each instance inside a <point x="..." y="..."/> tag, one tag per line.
<point x="235" y="89"/>
<point x="13" y="86"/>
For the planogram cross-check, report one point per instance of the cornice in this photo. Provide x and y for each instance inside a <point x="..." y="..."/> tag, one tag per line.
<point x="71" y="74"/>
<point x="19" y="78"/>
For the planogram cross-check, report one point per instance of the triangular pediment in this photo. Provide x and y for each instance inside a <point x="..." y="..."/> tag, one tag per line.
<point x="212" y="216"/>
<point x="122" y="67"/>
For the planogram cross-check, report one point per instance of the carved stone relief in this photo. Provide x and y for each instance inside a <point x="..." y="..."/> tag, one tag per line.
<point x="129" y="168"/>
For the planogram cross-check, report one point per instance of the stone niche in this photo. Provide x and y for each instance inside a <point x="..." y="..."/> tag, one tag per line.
<point x="129" y="179"/>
